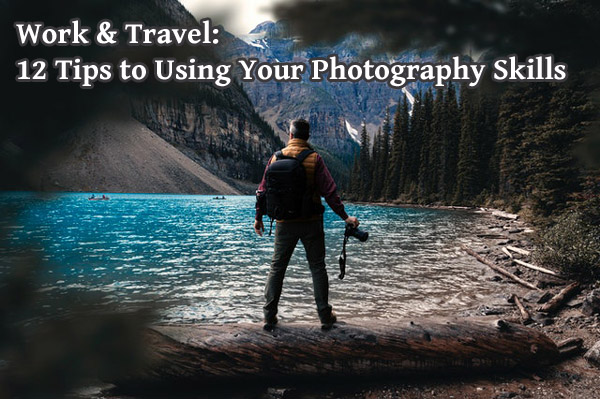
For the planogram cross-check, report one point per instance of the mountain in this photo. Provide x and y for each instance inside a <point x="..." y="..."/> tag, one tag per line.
<point x="219" y="130"/>
<point x="119" y="154"/>
<point x="334" y="109"/>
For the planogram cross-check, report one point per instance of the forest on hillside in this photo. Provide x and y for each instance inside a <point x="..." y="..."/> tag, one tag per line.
<point x="528" y="147"/>
<point x="517" y="148"/>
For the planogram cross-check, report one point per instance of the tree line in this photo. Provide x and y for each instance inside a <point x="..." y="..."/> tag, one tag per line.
<point x="510" y="147"/>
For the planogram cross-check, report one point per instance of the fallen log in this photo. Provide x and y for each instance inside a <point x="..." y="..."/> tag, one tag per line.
<point x="557" y="301"/>
<point x="537" y="268"/>
<point x="499" y="269"/>
<point x="518" y="250"/>
<point x="525" y="316"/>
<point x="218" y="353"/>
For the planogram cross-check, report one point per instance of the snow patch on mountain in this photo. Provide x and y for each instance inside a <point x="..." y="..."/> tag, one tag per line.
<point x="409" y="96"/>
<point x="352" y="132"/>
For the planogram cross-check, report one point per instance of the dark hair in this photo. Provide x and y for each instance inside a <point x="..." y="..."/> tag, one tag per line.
<point x="300" y="129"/>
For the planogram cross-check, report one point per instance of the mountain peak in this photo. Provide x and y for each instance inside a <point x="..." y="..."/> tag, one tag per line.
<point x="263" y="27"/>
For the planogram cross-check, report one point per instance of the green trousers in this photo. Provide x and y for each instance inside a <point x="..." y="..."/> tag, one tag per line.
<point x="286" y="237"/>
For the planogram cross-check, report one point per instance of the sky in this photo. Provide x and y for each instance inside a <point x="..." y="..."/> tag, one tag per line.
<point x="237" y="16"/>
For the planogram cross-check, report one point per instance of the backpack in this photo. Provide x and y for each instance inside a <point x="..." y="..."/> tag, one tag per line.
<point x="287" y="195"/>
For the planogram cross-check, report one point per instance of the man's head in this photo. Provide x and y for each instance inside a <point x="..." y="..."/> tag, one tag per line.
<point x="299" y="129"/>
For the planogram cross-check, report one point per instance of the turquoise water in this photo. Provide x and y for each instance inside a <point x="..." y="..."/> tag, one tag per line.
<point x="199" y="259"/>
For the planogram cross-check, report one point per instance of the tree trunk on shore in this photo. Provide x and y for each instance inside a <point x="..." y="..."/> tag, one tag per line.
<point x="217" y="353"/>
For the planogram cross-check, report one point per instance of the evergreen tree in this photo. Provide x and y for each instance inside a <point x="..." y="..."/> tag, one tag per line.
<point x="413" y="149"/>
<point x="553" y="174"/>
<point x="364" y="164"/>
<point x="397" y="152"/>
<point x="384" y="155"/>
<point x="451" y="136"/>
<point x="468" y="162"/>
<point x="376" y="184"/>
<point x="522" y="108"/>
<point x="436" y="150"/>
<point x="424" y="172"/>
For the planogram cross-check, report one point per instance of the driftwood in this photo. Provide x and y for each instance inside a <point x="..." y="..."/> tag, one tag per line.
<point x="507" y="253"/>
<point x="217" y="353"/>
<point x="537" y="268"/>
<point x="505" y="215"/>
<point x="491" y="236"/>
<point x="518" y="250"/>
<point x="559" y="299"/>
<point x="525" y="316"/>
<point x="500" y="270"/>
<point x="570" y="347"/>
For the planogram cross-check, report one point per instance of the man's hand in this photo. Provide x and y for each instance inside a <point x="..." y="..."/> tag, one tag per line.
<point x="259" y="227"/>
<point x="353" y="221"/>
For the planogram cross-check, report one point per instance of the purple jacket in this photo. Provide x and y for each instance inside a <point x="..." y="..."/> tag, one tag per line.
<point x="324" y="185"/>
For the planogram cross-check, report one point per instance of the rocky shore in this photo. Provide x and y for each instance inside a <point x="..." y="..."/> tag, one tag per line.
<point x="575" y="324"/>
<point x="507" y="242"/>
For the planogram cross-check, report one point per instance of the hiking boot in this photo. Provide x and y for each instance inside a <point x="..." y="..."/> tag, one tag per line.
<point x="270" y="323"/>
<point x="328" y="322"/>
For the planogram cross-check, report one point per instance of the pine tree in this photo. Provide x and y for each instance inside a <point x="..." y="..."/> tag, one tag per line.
<point x="436" y="150"/>
<point x="451" y="136"/>
<point x="424" y="172"/>
<point x="553" y="173"/>
<point x="376" y="184"/>
<point x="364" y="164"/>
<point x="384" y="154"/>
<point x="467" y="174"/>
<point x="397" y="152"/>
<point x="522" y="108"/>
<point x="413" y="149"/>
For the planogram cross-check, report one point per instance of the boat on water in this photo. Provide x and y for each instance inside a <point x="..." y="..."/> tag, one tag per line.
<point x="219" y="198"/>
<point x="94" y="198"/>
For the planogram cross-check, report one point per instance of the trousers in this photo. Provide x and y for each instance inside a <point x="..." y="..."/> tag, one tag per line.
<point x="286" y="237"/>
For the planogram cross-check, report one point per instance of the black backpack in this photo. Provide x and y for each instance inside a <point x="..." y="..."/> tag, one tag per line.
<point x="287" y="194"/>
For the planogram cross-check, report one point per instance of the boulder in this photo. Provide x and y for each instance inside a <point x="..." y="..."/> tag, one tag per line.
<point x="591" y="303"/>
<point x="593" y="355"/>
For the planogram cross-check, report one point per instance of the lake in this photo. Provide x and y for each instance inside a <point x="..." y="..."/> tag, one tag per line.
<point x="199" y="259"/>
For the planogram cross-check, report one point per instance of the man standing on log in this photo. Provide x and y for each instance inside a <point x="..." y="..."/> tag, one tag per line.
<point x="290" y="192"/>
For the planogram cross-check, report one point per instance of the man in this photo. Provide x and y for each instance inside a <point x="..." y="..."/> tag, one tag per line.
<point x="309" y="230"/>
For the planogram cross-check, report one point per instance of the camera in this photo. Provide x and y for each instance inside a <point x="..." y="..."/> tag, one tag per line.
<point x="355" y="232"/>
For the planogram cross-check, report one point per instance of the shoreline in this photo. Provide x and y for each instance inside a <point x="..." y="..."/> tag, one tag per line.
<point x="573" y="377"/>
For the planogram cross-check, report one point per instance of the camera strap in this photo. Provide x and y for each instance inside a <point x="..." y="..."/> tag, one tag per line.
<point x="342" y="259"/>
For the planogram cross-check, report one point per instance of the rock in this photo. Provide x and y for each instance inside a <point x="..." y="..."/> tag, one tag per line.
<point x="488" y="311"/>
<point x="495" y="278"/>
<point x="543" y="319"/>
<point x="593" y="355"/>
<point x="574" y="303"/>
<point x="506" y="395"/>
<point x="515" y="231"/>
<point x="537" y="296"/>
<point x="591" y="303"/>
